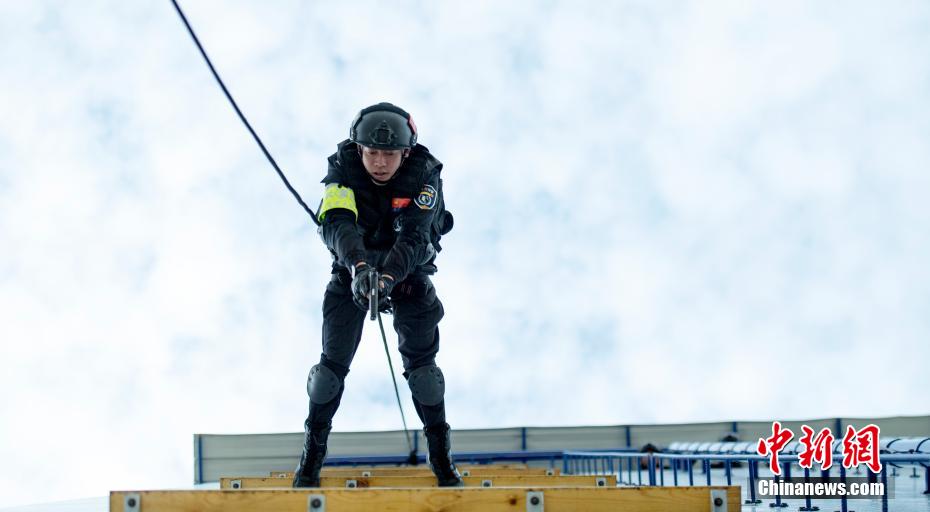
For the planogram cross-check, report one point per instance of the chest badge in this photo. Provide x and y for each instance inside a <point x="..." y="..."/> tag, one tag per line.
<point x="399" y="203"/>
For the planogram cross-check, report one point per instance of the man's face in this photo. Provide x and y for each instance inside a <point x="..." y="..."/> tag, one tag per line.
<point x="382" y="164"/>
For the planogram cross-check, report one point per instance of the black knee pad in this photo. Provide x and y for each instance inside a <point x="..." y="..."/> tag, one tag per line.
<point x="322" y="384"/>
<point x="427" y="384"/>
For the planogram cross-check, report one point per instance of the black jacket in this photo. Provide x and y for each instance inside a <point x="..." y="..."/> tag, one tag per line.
<point x="392" y="230"/>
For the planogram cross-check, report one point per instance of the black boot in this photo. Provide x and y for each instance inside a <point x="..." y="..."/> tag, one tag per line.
<point x="308" y="469"/>
<point x="439" y="441"/>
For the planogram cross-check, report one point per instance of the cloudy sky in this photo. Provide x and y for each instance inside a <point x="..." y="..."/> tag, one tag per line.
<point x="665" y="212"/>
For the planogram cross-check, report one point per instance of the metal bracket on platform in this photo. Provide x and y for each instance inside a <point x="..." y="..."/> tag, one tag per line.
<point x="351" y="484"/>
<point x="718" y="500"/>
<point x="600" y="481"/>
<point x="550" y="472"/>
<point x="366" y="474"/>
<point x="487" y="483"/>
<point x="535" y="501"/>
<point x="236" y="484"/>
<point x="132" y="502"/>
<point x="316" y="503"/>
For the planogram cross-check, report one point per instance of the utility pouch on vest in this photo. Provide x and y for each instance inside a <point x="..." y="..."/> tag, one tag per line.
<point x="445" y="223"/>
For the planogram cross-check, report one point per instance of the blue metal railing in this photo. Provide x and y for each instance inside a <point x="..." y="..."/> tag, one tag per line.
<point x="586" y="462"/>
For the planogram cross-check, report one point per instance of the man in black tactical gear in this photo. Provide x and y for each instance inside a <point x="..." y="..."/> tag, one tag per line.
<point x="381" y="212"/>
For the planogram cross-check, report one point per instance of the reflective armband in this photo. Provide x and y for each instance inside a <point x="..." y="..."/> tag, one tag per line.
<point x="336" y="196"/>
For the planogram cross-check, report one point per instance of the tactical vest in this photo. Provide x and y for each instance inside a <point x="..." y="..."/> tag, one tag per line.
<point x="379" y="206"/>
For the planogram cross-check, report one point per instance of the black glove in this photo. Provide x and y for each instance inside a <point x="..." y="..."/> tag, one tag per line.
<point x="361" y="285"/>
<point x="387" y="284"/>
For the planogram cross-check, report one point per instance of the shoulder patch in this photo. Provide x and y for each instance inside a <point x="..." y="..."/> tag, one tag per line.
<point x="427" y="198"/>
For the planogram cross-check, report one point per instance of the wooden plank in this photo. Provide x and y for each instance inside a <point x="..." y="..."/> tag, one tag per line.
<point x="406" y="466"/>
<point x="492" y="499"/>
<point x="424" y="470"/>
<point x="327" y="469"/>
<point x="427" y="481"/>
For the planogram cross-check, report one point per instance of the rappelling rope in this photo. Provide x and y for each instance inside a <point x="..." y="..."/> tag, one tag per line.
<point x="413" y="454"/>
<point x="241" y="115"/>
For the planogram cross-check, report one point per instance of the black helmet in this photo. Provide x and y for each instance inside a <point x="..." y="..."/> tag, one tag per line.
<point x="384" y="126"/>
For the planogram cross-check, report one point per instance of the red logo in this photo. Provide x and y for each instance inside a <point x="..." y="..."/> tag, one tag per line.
<point x="859" y="447"/>
<point x="818" y="448"/>
<point x="772" y="445"/>
<point x="399" y="202"/>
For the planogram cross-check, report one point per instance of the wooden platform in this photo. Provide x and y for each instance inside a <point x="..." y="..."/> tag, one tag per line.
<point x="490" y="499"/>
<point x="488" y="488"/>
<point x="426" y="481"/>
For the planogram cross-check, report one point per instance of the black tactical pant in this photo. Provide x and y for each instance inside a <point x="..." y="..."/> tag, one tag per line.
<point x="417" y="312"/>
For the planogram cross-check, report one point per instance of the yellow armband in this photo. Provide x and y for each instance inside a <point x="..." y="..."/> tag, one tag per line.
<point x="336" y="196"/>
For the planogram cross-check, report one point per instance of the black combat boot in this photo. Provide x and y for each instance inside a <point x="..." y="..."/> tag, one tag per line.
<point x="308" y="469"/>
<point x="439" y="441"/>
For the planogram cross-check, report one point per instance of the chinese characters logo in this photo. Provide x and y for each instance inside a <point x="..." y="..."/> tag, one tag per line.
<point x="858" y="447"/>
